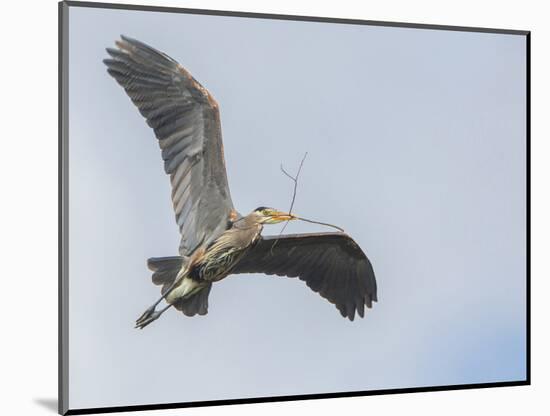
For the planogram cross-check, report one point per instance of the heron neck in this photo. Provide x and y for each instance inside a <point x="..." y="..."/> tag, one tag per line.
<point x="248" y="222"/>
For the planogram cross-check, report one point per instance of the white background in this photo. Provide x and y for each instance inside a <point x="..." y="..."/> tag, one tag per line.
<point x="29" y="222"/>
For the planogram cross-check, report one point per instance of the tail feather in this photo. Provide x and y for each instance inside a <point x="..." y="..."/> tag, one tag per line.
<point x="165" y="271"/>
<point x="161" y="264"/>
<point x="196" y="304"/>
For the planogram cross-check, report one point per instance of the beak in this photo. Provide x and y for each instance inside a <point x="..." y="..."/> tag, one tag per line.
<point x="282" y="216"/>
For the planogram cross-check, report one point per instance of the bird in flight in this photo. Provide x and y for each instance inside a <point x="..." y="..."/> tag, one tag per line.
<point x="217" y="241"/>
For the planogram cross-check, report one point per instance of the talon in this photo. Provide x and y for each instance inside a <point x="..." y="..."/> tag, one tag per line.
<point x="148" y="312"/>
<point x="148" y="317"/>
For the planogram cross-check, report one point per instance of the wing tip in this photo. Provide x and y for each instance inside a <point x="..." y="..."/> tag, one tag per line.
<point x="350" y="313"/>
<point x="110" y="62"/>
<point x="126" y="40"/>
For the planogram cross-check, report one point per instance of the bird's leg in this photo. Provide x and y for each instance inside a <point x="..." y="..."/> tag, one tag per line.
<point x="150" y="311"/>
<point x="146" y="320"/>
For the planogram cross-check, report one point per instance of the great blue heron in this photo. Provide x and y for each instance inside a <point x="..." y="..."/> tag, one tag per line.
<point x="216" y="240"/>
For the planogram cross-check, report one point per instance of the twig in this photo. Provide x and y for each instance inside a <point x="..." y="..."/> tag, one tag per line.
<point x="295" y="180"/>
<point x="320" y="223"/>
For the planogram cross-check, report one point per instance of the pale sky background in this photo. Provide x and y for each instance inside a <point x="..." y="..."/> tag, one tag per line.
<point x="416" y="142"/>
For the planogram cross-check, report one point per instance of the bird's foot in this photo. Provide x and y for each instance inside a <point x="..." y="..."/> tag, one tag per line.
<point x="147" y="317"/>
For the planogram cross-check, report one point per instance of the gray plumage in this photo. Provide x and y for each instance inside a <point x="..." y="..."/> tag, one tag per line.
<point x="186" y="122"/>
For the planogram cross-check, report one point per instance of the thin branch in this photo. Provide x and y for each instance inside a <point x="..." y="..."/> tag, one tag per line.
<point x="320" y="223"/>
<point x="280" y="234"/>
<point x="287" y="174"/>
<point x="295" y="180"/>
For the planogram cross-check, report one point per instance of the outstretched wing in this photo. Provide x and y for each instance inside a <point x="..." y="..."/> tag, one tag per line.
<point x="330" y="263"/>
<point x="186" y="122"/>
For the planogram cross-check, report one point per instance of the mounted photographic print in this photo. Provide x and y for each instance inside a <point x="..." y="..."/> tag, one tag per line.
<point x="266" y="207"/>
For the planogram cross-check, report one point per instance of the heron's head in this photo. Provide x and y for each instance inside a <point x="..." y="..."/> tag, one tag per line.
<point x="265" y="215"/>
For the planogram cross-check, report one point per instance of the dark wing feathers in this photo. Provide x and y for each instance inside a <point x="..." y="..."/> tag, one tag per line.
<point x="331" y="264"/>
<point x="186" y="121"/>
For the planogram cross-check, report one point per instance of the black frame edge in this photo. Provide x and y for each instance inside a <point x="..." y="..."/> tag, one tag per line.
<point x="166" y="406"/>
<point x="528" y="204"/>
<point x="255" y="15"/>
<point x="63" y="282"/>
